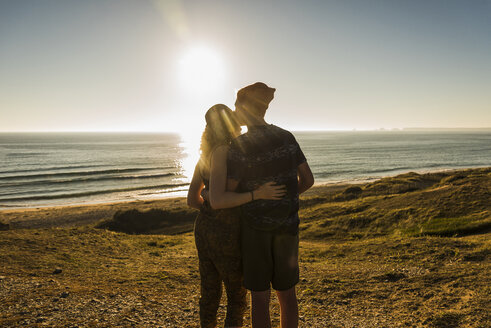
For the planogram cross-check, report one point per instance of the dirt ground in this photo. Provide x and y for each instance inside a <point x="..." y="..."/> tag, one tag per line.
<point x="410" y="251"/>
<point x="112" y="279"/>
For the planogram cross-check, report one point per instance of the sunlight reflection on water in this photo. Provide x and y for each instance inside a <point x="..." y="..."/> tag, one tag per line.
<point x="189" y="144"/>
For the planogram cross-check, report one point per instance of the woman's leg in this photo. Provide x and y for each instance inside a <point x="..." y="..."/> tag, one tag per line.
<point x="228" y="261"/>
<point x="211" y="293"/>
<point x="211" y="282"/>
<point x="236" y="301"/>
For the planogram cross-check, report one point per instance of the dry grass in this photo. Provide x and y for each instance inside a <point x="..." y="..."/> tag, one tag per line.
<point x="116" y="279"/>
<point x="452" y="203"/>
<point x="110" y="278"/>
<point x="379" y="259"/>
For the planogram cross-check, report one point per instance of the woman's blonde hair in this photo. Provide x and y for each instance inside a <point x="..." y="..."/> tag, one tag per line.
<point x="220" y="127"/>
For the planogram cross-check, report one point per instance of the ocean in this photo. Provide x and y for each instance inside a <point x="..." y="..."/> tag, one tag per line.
<point x="46" y="169"/>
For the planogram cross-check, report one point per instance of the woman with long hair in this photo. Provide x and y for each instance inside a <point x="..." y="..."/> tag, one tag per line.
<point x="217" y="232"/>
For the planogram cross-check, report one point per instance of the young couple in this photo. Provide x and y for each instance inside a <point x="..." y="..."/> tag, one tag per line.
<point x="246" y="188"/>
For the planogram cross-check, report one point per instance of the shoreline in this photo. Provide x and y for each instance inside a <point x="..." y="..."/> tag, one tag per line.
<point x="85" y="214"/>
<point x="182" y="193"/>
<point x="71" y="215"/>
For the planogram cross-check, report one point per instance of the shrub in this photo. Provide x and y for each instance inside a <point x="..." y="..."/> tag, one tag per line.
<point x="151" y="221"/>
<point x="4" y="226"/>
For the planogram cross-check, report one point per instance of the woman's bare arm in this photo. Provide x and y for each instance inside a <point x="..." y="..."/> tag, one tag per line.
<point x="194" y="193"/>
<point x="221" y="198"/>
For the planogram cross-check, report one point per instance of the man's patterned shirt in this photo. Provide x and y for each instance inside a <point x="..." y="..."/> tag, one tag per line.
<point x="267" y="153"/>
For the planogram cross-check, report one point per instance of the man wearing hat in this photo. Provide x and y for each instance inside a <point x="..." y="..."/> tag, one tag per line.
<point x="269" y="228"/>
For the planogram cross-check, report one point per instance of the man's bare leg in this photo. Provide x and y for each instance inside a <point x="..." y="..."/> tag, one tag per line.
<point x="288" y="308"/>
<point x="260" y="309"/>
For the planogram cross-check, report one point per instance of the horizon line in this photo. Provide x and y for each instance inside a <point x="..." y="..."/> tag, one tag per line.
<point x="294" y="130"/>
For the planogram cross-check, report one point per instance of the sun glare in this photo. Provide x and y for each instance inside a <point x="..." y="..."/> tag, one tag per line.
<point x="201" y="69"/>
<point x="201" y="73"/>
<point x="190" y="142"/>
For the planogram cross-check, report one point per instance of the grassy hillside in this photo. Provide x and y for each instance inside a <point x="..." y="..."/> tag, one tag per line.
<point x="407" y="251"/>
<point x="454" y="203"/>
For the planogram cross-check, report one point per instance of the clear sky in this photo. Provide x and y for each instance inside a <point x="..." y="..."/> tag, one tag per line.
<point x="148" y="65"/>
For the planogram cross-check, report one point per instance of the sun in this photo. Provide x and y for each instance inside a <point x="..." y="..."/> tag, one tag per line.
<point x="201" y="69"/>
<point x="201" y="74"/>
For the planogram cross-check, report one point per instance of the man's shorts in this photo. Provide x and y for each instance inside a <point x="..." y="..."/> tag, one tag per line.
<point x="269" y="258"/>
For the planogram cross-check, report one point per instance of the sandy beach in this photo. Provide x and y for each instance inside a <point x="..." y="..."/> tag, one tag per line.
<point x="83" y="214"/>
